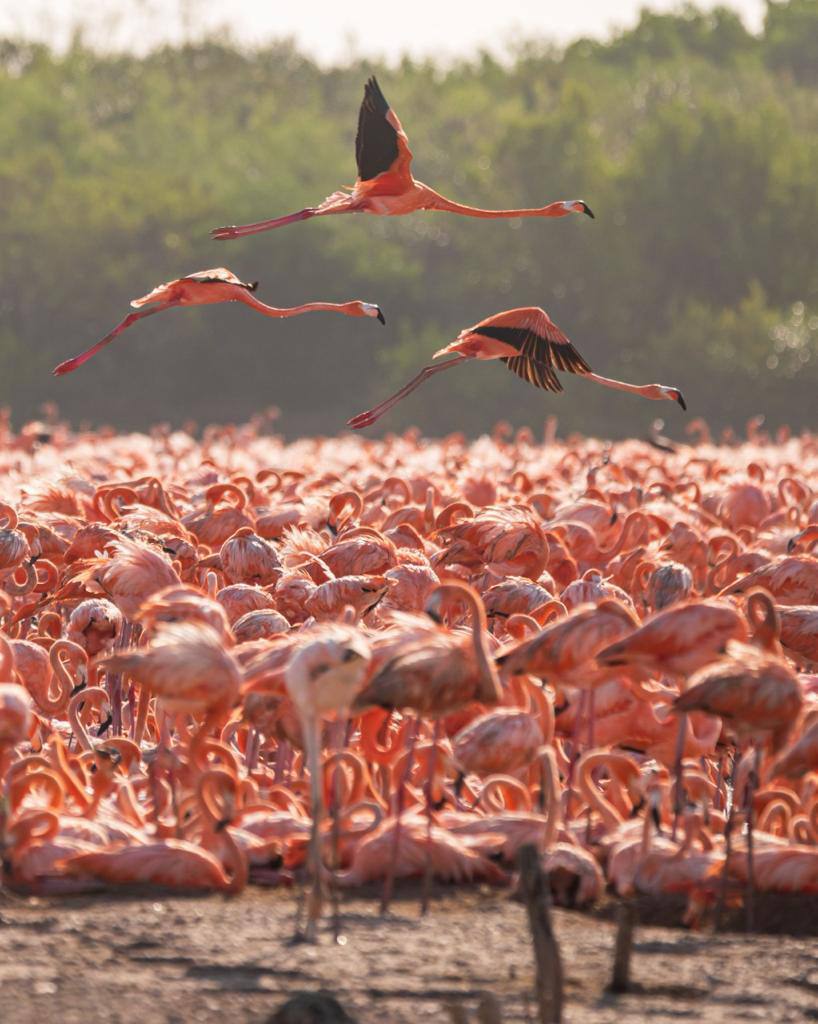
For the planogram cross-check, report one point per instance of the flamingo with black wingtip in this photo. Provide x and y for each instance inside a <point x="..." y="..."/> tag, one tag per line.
<point x="531" y="345"/>
<point x="385" y="185"/>
<point x="208" y="287"/>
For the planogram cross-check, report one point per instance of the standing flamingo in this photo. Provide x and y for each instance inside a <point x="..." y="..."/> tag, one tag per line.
<point x="323" y="676"/>
<point x="434" y="675"/>
<point x="385" y="185"/>
<point x="187" y="667"/>
<point x="531" y="345"/>
<point x="205" y="288"/>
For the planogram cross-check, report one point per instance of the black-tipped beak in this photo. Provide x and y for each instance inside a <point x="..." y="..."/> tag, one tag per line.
<point x="106" y="725"/>
<point x="381" y="317"/>
<point x="791" y="545"/>
<point x="587" y="210"/>
<point x="680" y="398"/>
<point x="434" y="616"/>
<point x="657" y="818"/>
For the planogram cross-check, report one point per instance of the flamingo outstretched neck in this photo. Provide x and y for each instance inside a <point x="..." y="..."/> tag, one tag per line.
<point x="209" y="287"/>
<point x="385" y="185"/>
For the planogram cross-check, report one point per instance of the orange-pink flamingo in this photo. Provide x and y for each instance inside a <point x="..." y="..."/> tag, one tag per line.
<point x="385" y="184"/>
<point x="207" y="287"/>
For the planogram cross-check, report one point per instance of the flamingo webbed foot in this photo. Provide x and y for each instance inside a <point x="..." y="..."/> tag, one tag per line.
<point x="229" y="231"/>
<point x="363" y="419"/>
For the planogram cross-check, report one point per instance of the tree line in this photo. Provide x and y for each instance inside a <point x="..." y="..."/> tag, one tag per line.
<point x="694" y="141"/>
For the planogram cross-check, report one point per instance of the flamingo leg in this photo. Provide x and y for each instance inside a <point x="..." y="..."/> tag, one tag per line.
<point x="366" y="419"/>
<point x="427" y="871"/>
<point x="72" y="364"/>
<point x="115" y="682"/>
<point x="252" y="749"/>
<point x="569" y="782"/>
<point x="241" y="230"/>
<point x="335" y="795"/>
<point x="591" y="713"/>
<point x="752" y="783"/>
<point x="141" y="715"/>
<point x="389" y="880"/>
<point x="678" y="771"/>
<point x="728" y="843"/>
<point x="312" y="741"/>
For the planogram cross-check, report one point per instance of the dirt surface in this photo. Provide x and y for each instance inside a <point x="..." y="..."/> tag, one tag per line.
<point x="163" y="958"/>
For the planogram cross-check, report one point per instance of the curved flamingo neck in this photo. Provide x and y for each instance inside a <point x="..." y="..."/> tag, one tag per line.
<point x="765" y="621"/>
<point x="551" y="794"/>
<point x="432" y="200"/>
<point x="94" y="694"/>
<point x="590" y="793"/>
<point x="25" y="831"/>
<point x="489" y="690"/>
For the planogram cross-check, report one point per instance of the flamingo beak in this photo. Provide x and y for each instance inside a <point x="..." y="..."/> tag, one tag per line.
<point x="381" y="317"/>
<point x="791" y="545"/>
<point x="680" y="398"/>
<point x="106" y="725"/>
<point x="586" y="209"/>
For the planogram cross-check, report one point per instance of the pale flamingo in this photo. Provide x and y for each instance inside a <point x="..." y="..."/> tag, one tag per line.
<point x="385" y="184"/>
<point x="207" y="287"/>
<point x="531" y="345"/>
<point x="324" y="676"/>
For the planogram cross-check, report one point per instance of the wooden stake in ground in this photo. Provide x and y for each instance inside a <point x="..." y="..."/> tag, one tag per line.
<point x="537" y="896"/>
<point x="625" y="921"/>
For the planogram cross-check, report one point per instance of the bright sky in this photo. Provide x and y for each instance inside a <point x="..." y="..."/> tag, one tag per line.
<point x="331" y="30"/>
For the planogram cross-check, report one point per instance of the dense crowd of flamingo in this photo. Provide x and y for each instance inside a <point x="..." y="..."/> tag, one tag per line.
<point x="238" y="660"/>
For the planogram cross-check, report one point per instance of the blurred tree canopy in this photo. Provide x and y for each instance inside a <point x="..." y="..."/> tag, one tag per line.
<point x="694" y="141"/>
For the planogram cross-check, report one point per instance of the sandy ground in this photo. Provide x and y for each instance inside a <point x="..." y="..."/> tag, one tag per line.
<point x="161" y="958"/>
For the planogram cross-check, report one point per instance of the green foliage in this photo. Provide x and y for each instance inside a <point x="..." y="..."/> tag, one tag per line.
<point x="694" y="142"/>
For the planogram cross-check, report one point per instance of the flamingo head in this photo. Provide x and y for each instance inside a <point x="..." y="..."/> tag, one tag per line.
<point x="370" y="309"/>
<point x="578" y="206"/>
<point x="675" y="395"/>
<point x="662" y="391"/>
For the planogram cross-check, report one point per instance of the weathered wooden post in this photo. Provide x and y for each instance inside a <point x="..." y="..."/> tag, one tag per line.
<point x="548" y="963"/>
<point x="625" y="922"/>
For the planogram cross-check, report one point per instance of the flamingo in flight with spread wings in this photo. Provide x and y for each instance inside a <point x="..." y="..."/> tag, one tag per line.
<point x="206" y="288"/>
<point x="531" y="345"/>
<point x="385" y="184"/>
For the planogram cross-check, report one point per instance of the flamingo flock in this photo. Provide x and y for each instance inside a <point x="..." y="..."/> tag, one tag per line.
<point x="525" y="339"/>
<point x="234" y="661"/>
<point x="345" y="662"/>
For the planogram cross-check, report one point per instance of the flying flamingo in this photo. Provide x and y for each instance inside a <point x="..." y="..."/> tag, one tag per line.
<point x="206" y="288"/>
<point x="531" y="345"/>
<point x="385" y="185"/>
